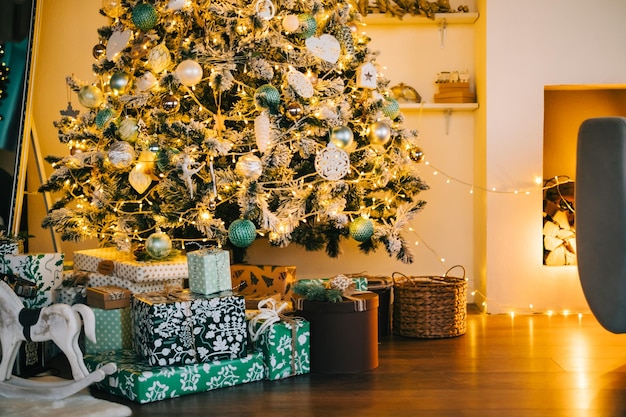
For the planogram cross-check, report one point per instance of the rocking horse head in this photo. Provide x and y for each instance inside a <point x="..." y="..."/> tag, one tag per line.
<point x="59" y="323"/>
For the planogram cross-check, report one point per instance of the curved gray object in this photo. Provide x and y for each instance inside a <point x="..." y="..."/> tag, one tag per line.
<point x="601" y="218"/>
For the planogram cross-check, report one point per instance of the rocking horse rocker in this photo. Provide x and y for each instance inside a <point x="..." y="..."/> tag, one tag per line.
<point x="60" y="323"/>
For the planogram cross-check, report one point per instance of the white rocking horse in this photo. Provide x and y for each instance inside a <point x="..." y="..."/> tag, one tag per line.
<point x="60" y="323"/>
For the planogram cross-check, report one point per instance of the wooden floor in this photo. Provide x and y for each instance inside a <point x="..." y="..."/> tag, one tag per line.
<point x="523" y="366"/>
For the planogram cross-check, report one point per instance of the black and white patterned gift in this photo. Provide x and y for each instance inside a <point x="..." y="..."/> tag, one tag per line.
<point x="180" y="327"/>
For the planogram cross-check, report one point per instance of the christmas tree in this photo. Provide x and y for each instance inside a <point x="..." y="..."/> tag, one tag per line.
<point x="222" y="121"/>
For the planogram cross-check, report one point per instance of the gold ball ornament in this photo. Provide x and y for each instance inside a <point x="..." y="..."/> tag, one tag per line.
<point x="249" y="166"/>
<point x="170" y="103"/>
<point x="90" y="96"/>
<point x="342" y="137"/>
<point x="129" y="129"/>
<point x="379" y="133"/>
<point x="158" y="245"/>
<point x="120" y="82"/>
<point x="293" y="110"/>
<point x="99" y="51"/>
<point x="291" y="23"/>
<point x="112" y="8"/>
<point x="189" y="72"/>
<point x="416" y="154"/>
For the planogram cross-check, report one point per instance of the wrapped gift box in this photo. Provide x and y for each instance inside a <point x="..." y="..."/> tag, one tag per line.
<point x="113" y="330"/>
<point x="285" y="346"/>
<point x="11" y="247"/>
<point x="209" y="271"/>
<point x="181" y="327"/>
<point x="73" y="289"/>
<point x="138" y="381"/>
<point x="99" y="280"/>
<point x="123" y="265"/>
<point x="108" y="297"/>
<point x="44" y="269"/>
<point x="360" y="282"/>
<point x="262" y="279"/>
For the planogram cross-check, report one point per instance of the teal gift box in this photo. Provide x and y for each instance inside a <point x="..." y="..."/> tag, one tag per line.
<point x="44" y="269"/>
<point x="181" y="327"/>
<point x="285" y="341"/>
<point x="209" y="271"/>
<point x="138" y="381"/>
<point x="113" y="330"/>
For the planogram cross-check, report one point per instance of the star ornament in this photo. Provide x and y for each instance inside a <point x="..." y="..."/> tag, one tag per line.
<point x="366" y="76"/>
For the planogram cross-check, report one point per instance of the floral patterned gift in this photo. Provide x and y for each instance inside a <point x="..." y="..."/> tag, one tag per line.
<point x="180" y="327"/>
<point x="138" y="381"/>
<point x="284" y="340"/>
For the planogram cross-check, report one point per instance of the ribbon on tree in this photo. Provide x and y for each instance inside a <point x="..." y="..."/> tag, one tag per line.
<point x="270" y="314"/>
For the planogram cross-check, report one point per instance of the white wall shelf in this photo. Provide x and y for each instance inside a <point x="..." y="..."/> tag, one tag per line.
<point x="438" y="106"/>
<point x="449" y="18"/>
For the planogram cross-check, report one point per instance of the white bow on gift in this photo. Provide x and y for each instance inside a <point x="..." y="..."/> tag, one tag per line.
<point x="270" y="313"/>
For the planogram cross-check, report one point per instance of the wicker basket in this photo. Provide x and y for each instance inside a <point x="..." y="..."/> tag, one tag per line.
<point x="430" y="306"/>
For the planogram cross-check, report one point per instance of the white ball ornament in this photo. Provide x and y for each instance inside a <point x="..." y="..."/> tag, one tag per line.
<point x="121" y="154"/>
<point x="176" y="4"/>
<point x="158" y="245"/>
<point x="189" y="72"/>
<point x="90" y="96"/>
<point x="291" y="23"/>
<point x="249" y="166"/>
<point x="159" y="58"/>
<point x="146" y="82"/>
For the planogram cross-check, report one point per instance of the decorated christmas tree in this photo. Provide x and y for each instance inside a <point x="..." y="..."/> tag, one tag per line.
<point x="219" y="122"/>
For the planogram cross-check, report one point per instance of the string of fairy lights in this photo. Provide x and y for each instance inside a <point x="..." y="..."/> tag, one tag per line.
<point x="555" y="182"/>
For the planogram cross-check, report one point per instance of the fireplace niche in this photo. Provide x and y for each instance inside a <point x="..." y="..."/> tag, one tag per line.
<point x="565" y="108"/>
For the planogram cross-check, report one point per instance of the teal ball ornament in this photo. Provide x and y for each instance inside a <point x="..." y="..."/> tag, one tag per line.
<point x="342" y="137"/>
<point x="158" y="245"/>
<point x="308" y="25"/>
<point x="103" y="117"/>
<point x="267" y="97"/>
<point x="391" y="108"/>
<point x="361" y="229"/>
<point x="242" y="233"/>
<point x="120" y="82"/>
<point x="379" y="133"/>
<point x="90" y="96"/>
<point x="145" y="16"/>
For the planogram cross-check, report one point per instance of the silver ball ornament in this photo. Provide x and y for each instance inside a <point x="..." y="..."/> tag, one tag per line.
<point x="158" y="245"/>
<point x="293" y="111"/>
<point x="249" y="166"/>
<point x="90" y="96"/>
<point x="342" y="137"/>
<point x="379" y="133"/>
<point x="170" y="103"/>
<point x="120" y="82"/>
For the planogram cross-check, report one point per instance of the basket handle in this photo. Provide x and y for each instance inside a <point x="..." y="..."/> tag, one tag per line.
<point x="451" y="268"/>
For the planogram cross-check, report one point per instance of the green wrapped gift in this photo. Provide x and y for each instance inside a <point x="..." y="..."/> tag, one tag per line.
<point x="181" y="327"/>
<point x="209" y="271"/>
<point x="45" y="270"/>
<point x="113" y="330"/>
<point x="284" y="341"/>
<point x="360" y="282"/>
<point x="138" y="381"/>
